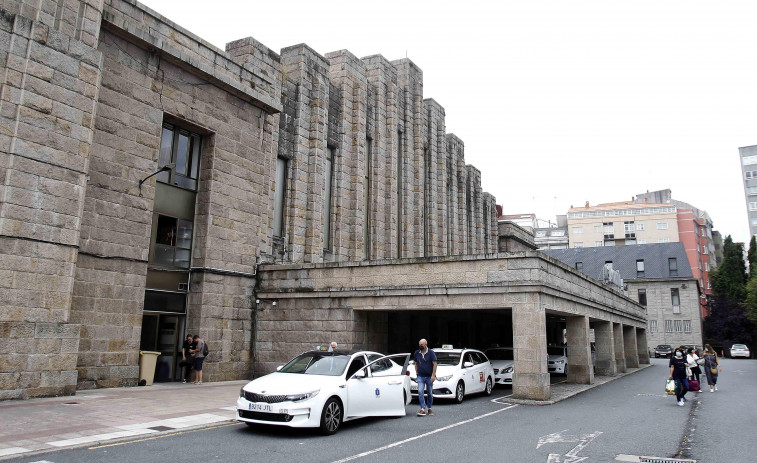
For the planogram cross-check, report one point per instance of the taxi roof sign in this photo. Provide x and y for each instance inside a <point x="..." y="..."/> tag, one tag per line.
<point x="447" y="346"/>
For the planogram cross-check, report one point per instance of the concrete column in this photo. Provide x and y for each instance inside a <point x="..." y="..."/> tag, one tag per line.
<point x="620" y="351"/>
<point x="605" y="343"/>
<point x="580" y="369"/>
<point x="629" y="342"/>
<point x="530" y="377"/>
<point x="641" y="346"/>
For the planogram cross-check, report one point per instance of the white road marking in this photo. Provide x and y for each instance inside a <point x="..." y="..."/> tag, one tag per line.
<point x="12" y="451"/>
<point x="453" y="425"/>
<point x="572" y="455"/>
<point x="499" y="400"/>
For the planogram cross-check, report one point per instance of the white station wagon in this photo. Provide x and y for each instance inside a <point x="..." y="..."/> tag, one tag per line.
<point x="459" y="372"/>
<point x="323" y="389"/>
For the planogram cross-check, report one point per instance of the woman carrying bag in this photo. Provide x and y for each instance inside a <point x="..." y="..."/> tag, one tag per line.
<point x="692" y="360"/>
<point x="711" y="367"/>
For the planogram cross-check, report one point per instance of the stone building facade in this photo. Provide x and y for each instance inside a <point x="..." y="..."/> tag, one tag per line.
<point x="146" y="174"/>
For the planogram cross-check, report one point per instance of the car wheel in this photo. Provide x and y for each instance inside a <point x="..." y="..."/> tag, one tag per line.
<point x="489" y="387"/>
<point x="460" y="392"/>
<point x="331" y="416"/>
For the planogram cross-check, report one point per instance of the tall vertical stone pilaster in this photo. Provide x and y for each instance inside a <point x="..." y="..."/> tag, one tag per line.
<point x="630" y="345"/>
<point x="437" y="190"/>
<point x="347" y="75"/>
<point x="580" y="369"/>
<point x="308" y="71"/>
<point x="531" y="377"/>
<point x="620" y="351"/>
<point x="605" y="364"/>
<point x="51" y="71"/>
<point x="387" y="129"/>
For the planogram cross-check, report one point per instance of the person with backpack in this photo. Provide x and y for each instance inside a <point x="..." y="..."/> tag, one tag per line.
<point x="199" y="353"/>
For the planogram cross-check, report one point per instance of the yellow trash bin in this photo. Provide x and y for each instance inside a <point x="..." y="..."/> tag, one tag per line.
<point x="147" y="362"/>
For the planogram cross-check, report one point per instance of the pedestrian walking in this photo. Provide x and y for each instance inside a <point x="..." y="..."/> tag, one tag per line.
<point x="692" y="359"/>
<point x="712" y="367"/>
<point x="425" y="374"/>
<point x="186" y="357"/>
<point x="199" y="358"/>
<point x="678" y="373"/>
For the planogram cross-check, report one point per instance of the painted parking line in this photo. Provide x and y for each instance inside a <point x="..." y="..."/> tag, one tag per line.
<point x="501" y="400"/>
<point x="445" y="428"/>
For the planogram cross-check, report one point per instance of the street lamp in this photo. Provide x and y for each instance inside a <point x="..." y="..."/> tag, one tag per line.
<point x="165" y="168"/>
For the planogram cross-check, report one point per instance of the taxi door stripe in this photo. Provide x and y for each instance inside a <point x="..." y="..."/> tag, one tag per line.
<point x="445" y="428"/>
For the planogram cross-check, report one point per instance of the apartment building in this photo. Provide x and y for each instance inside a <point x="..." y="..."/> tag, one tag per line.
<point x="622" y="223"/>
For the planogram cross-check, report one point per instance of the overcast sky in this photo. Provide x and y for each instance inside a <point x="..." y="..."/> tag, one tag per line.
<point x="558" y="102"/>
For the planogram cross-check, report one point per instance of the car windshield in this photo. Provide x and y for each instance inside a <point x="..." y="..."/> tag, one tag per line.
<point x="447" y="358"/>
<point x="738" y="346"/>
<point x="499" y="354"/>
<point x="317" y="363"/>
<point x="664" y="346"/>
<point x="555" y="351"/>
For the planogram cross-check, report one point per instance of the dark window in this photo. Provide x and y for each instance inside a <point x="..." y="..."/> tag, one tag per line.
<point x="279" y="197"/>
<point x="328" y="176"/>
<point x="675" y="300"/>
<point x="173" y="242"/>
<point x="640" y="268"/>
<point x="673" y="266"/>
<point x="643" y="297"/>
<point x="181" y="147"/>
<point x="580" y="266"/>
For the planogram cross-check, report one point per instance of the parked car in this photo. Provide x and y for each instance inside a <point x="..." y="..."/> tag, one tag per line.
<point x="740" y="350"/>
<point x="502" y="361"/>
<point x="459" y="372"/>
<point x="557" y="359"/>
<point x="323" y="389"/>
<point x="663" y="350"/>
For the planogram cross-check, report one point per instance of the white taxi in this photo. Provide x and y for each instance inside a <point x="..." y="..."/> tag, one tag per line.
<point x="502" y="361"/>
<point x="459" y="372"/>
<point x="323" y="389"/>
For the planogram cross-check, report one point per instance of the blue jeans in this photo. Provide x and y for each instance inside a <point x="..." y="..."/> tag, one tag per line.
<point x="424" y="382"/>
<point x="683" y="387"/>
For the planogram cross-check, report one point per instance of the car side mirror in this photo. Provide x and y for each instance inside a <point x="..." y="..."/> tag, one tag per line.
<point x="467" y="364"/>
<point x="279" y="367"/>
<point x="360" y="374"/>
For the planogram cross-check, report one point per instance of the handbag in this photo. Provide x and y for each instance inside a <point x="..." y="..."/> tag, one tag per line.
<point x="693" y="385"/>
<point x="700" y="361"/>
<point x="714" y="371"/>
<point x="670" y="386"/>
<point x="688" y="372"/>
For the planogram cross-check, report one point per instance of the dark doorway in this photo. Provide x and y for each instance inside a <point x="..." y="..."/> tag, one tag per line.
<point x="478" y="329"/>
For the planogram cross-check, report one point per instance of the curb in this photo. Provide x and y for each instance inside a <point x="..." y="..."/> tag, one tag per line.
<point x="577" y="392"/>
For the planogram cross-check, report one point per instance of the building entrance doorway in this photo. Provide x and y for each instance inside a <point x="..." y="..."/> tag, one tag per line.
<point x="164" y="333"/>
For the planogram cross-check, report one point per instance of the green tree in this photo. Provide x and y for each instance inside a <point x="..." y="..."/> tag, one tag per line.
<point x="728" y="322"/>
<point x="729" y="280"/>
<point x="752" y="256"/>
<point x="751" y="298"/>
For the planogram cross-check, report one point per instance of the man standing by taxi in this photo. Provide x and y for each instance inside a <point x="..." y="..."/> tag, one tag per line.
<point x="425" y="372"/>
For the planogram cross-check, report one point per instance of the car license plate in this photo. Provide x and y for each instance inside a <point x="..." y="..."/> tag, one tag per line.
<point x="261" y="407"/>
<point x="413" y="387"/>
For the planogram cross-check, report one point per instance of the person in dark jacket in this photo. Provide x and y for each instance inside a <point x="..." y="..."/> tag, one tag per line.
<point x="678" y="373"/>
<point x="186" y="357"/>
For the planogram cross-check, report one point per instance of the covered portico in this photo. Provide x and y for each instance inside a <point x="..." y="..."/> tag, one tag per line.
<point x="351" y="303"/>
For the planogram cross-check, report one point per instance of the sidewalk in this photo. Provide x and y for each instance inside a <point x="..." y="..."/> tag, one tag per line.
<point x="99" y="415"/>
